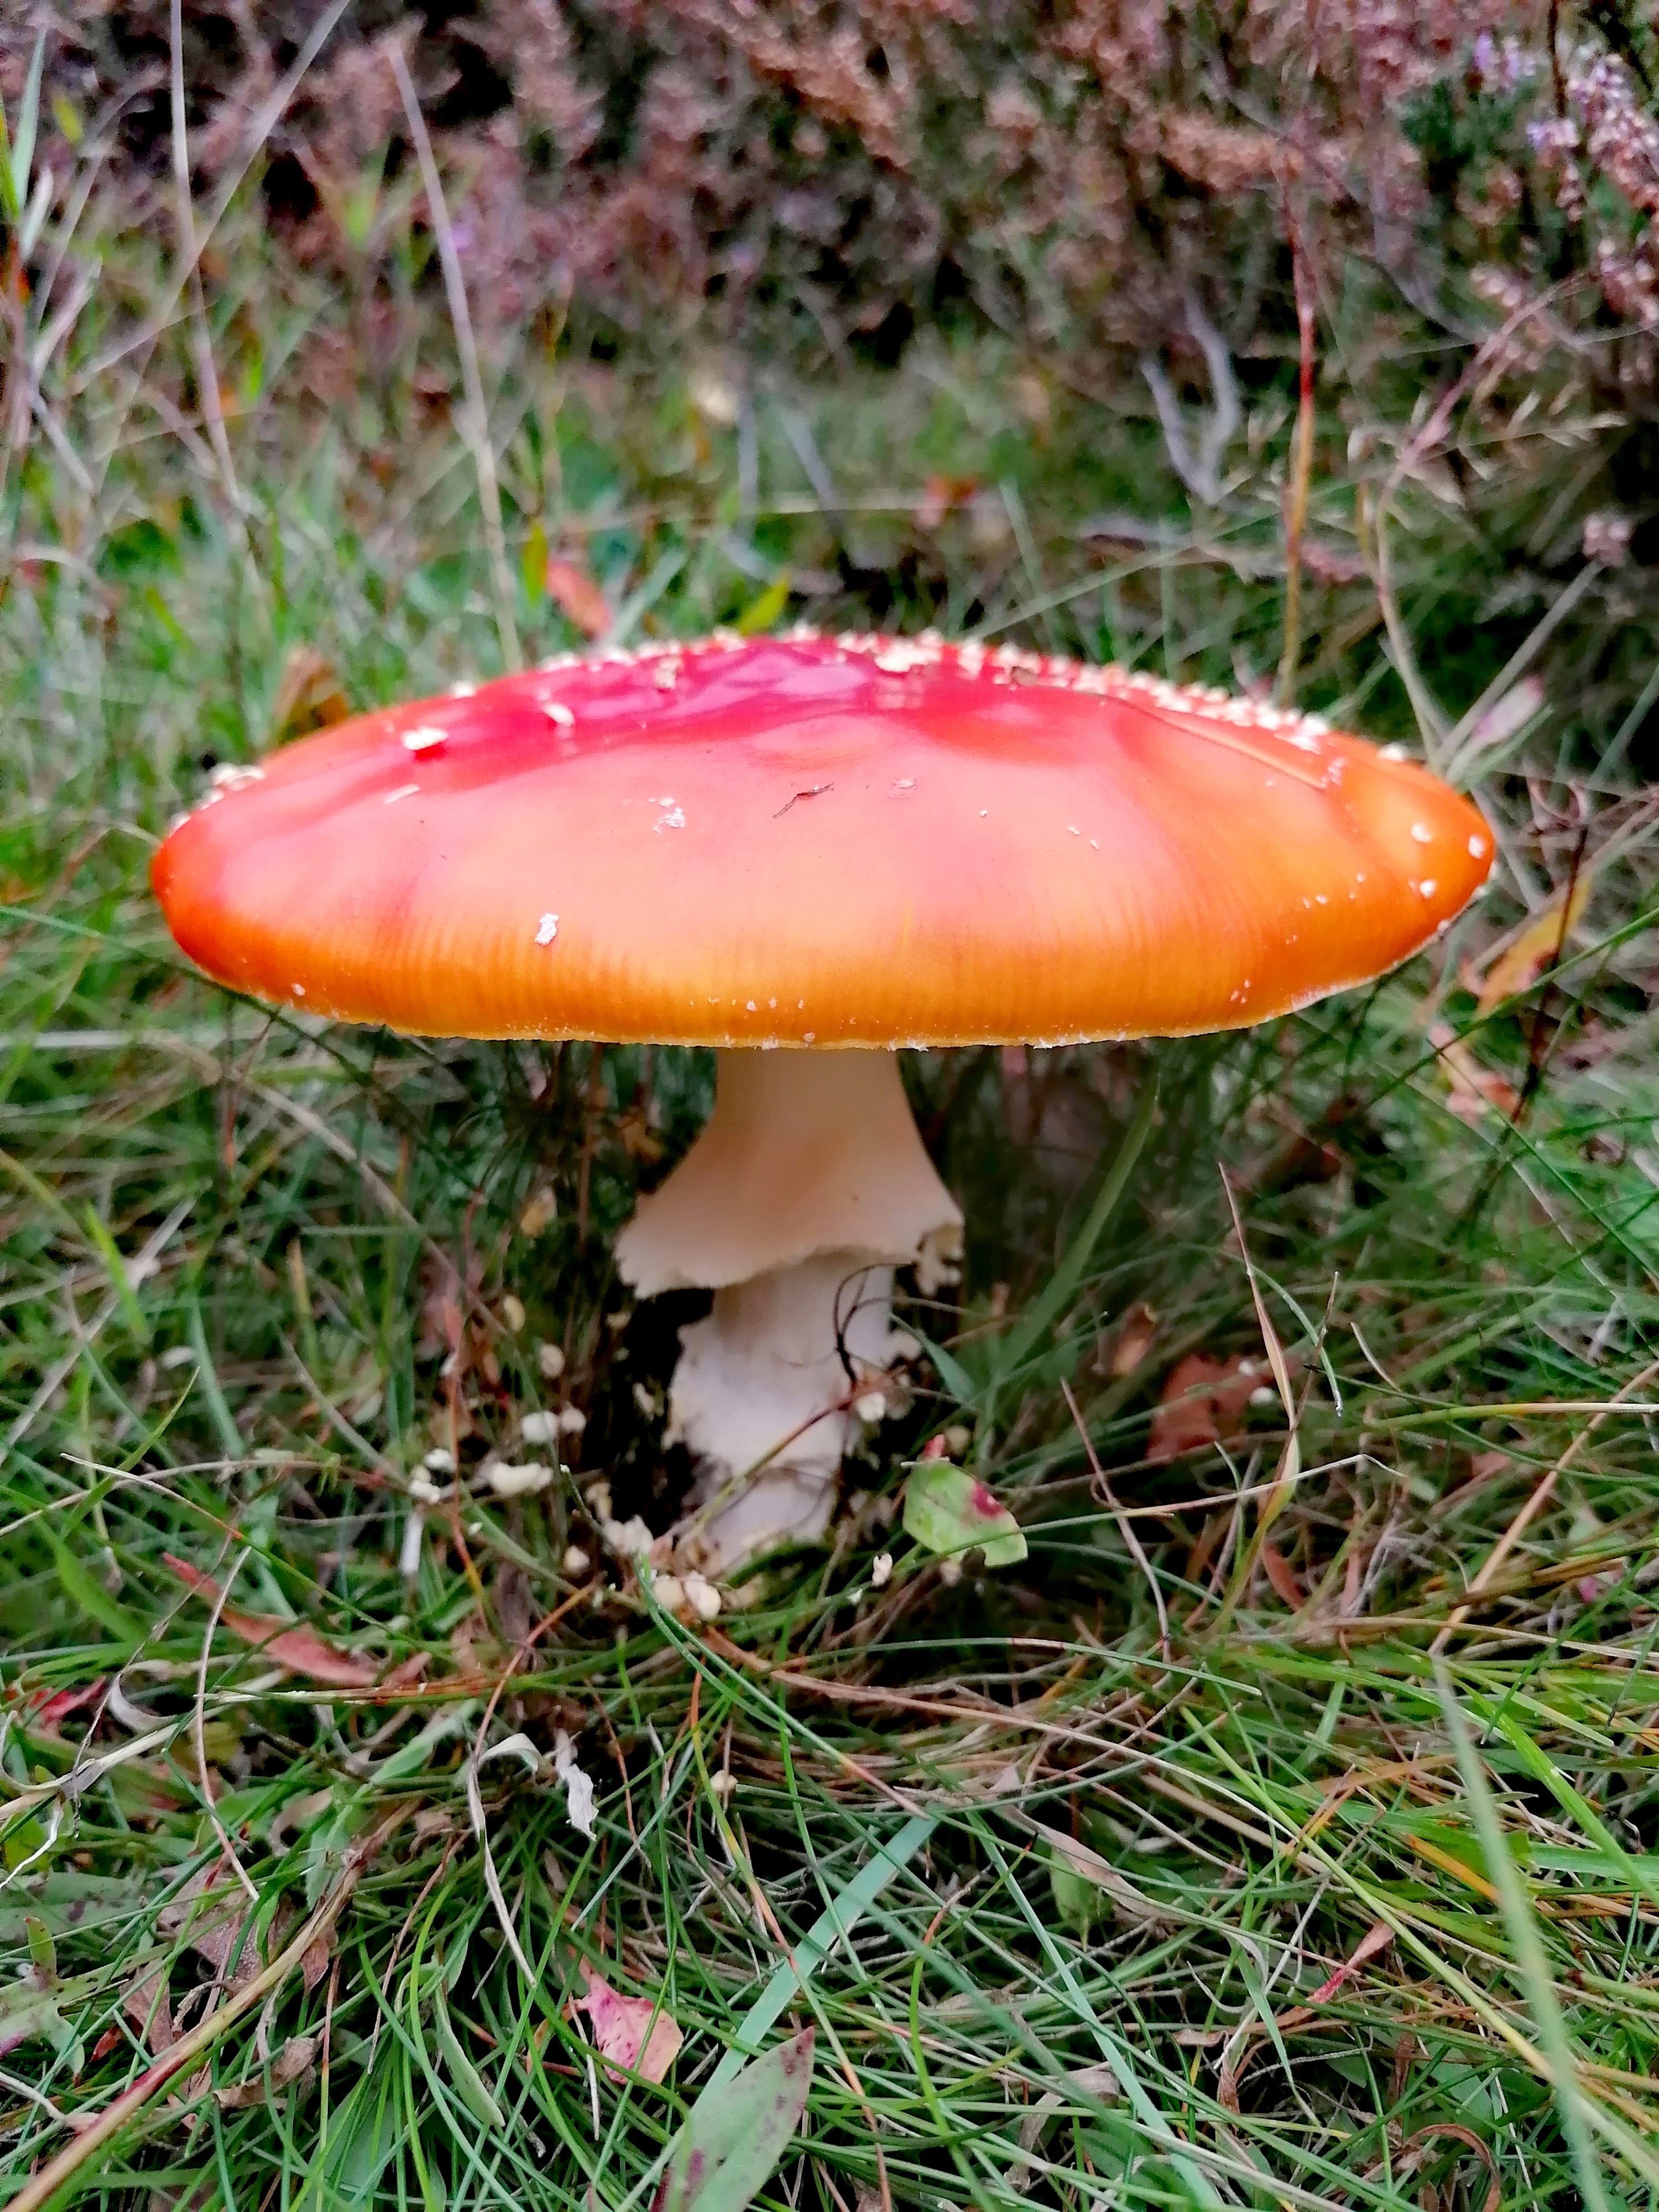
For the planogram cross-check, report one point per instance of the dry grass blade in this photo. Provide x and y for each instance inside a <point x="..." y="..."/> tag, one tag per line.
<point x="476" y="415"/>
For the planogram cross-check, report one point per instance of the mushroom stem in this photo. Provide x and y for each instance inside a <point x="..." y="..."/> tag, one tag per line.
<point x="807" y="1189"/>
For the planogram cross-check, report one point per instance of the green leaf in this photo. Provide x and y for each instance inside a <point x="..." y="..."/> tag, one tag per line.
<point x="738" y="2131"/>
<point x="43" y="1954"/>
<point x="63" y="1901"/>
<point x="28" y="119"/>
<point x="763" y="609"/>
<point x="23" y="1840"/>
<point x="28" y="2008"/>
<point x="89" y="1596"/>
<point x="834" y="1924"/>
<point x="533" y="562"/>
<point x="120" y="1281"/>
<point x="469" y="2083"/>
<point x="949" y="1369"/>
<point x="948" y="1510"/>
<point x="1077" y="1899"/>
<point x="224" y="1426"/>
<point x="16" y="158"/>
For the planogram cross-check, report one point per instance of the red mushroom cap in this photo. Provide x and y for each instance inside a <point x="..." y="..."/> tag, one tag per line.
<point x="855" y="841"/>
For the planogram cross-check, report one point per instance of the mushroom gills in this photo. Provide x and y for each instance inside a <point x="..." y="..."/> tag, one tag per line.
<point x="808" y="1187"/>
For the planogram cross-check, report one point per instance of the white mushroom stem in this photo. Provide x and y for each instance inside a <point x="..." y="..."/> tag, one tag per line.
<point x="807" y="1189"/>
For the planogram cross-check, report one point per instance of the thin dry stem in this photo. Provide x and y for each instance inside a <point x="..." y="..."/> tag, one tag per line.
<point x="475" y="416"/>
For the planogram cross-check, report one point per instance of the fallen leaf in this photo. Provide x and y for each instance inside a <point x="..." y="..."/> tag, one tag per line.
<point x="948" y="1510"/>
<point x="1091" y="2084"/>
<point x="1475" y="1090"/>
<point x="28" y="2007"/>
<point x="308" y="696"/>
<point x="58" y="1705"/>
<point x="1377" y="1939"/>
<point x="1122" y="1351"/>
<point x="576" y="594"/>
<point x="148" y="2005"/>
<point x="301" y="1651"/>
<point x="1282" y="1577"/>
<point x="1203" y="1404"/>
<point x="632" y="2035"/>
<point x="293" y="2060"/>
<point x="735" y="2134"/>
<point x="210" y="1911"/>
<point x="1539" y="945"/>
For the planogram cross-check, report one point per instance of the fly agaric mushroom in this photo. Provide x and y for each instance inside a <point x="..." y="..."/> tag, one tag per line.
<point x="848" y="844"/>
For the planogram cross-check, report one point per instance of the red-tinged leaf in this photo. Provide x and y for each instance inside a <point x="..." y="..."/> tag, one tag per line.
<point x="576" y="595"/>
<point x="949" y="1511"/>
<point x="1203" y="1404"/>
<point x="1283" y="1578"/>
<point x="633" y="2036"/>
<point x="301" y="1651"/>
<point x="736" y="2134"/>
<point x="1373" y="1941"/>
<point x="45" y="1719"/>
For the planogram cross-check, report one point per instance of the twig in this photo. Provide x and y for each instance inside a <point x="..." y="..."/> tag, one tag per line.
<point x="1102" y="1489"/>
<point x="1296" y="506"/>
<point x="1542" y="1492"/>
<point x="476" y="418"/>
<point x="69" y="2162"/>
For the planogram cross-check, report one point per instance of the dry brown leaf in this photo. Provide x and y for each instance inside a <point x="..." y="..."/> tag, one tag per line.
<point x="1539" y="945"/>
<point x="576" y="594"/>
<point x="211" y="1918"/>
<point x="315" y="1964"/>
<point x="1282" y="1576"/>
<point x="1203" y="1404"/>
<point x="308" y="696"/>
<point x="148" y="2005"/>
<point x="291" y="2062"/>
<point x="624" y="2031"/>
<point x="1122" y="1351"/>
<point x="301" y="1651"/>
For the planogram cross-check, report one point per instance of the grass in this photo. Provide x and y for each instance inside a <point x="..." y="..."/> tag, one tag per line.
<point x="1072" y="1913"/>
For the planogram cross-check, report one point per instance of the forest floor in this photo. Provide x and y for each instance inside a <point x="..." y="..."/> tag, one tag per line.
<point x="1281" y="1831"/>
